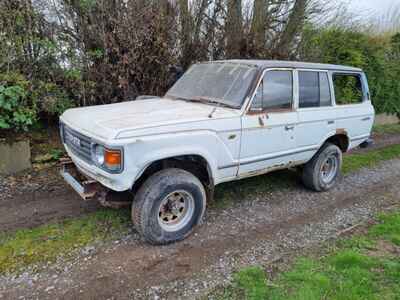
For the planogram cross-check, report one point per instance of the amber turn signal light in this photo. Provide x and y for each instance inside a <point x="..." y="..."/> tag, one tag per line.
<point x="112" y="158"/>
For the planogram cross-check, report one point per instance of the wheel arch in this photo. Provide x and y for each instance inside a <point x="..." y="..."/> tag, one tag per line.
<point x="196" y="164"/>
<point x="340" y="139"/>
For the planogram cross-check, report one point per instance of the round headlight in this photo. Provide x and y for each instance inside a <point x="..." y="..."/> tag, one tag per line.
<point x="99" y="154"/>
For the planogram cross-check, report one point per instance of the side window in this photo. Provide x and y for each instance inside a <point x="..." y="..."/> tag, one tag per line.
<point x="348" y="88"/>
<point x="275" y="91"/>
<point x="308" y="89"/>
<point x="314" y="89"/>
<point x="278" y="90"/>
<point x="324" y="90"/>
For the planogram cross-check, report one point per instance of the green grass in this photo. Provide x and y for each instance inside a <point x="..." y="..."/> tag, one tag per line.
<point x="369" y="159"/>
<point x="352" y="270"/>
<point x="389" y="228"/>
<point x="45" y="243"/>
<point x="250" y="283"/>
<point x="387" y="129"/>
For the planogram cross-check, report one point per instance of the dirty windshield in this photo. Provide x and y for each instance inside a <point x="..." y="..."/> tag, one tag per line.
<point x="214" y="83"/>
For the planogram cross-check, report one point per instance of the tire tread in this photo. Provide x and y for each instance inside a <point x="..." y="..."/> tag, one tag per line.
<point x="139" y="204"/>
<point x="309" y="177"/>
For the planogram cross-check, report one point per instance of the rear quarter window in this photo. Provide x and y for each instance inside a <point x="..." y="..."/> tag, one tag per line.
<point x="348" y="88"/>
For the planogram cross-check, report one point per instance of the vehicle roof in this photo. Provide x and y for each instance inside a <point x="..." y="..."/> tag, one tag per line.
<point x="290" y="64"/>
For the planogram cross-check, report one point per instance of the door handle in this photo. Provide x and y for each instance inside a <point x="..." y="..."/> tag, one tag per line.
<point x="366" y="119"/>
<point x="331" y="122"/>
<point x="289" y="127"/>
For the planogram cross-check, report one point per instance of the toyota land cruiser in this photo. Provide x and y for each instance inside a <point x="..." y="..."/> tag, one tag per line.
<point x="221" y="121"/>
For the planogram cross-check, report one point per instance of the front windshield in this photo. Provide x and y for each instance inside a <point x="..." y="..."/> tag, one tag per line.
<point x="220" y="83"/>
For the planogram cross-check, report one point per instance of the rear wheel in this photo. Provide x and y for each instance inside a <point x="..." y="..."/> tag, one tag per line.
<point x="323" y="170"/>
<point x="168" y="206"/>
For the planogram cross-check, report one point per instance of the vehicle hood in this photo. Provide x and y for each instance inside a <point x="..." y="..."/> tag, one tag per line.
<point x="107" y="121"/>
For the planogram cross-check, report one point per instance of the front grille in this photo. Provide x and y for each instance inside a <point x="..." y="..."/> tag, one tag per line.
<point x="79" y="144"/>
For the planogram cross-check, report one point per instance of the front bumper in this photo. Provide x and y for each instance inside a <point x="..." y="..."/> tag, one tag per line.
<point x="86" y="188"/>
<point x="115" y="182"/>
<point x="89" y="189"/>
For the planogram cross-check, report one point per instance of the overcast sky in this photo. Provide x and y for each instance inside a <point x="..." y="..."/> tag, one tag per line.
<point x="378" y="7"/>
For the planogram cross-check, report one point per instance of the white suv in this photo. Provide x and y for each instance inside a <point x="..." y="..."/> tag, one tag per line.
<point x="222" y="121"/>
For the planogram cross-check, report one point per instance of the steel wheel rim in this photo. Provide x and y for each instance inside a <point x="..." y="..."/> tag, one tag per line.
<point x="329" y="169"/>
<point x="175" y="211"/>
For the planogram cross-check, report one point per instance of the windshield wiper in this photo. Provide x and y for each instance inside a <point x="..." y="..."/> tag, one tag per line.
<point x="179" y="98"/>
<point x="219" y="102"/>
<point x="187" y="99"/>
<point x="204" y="100"/>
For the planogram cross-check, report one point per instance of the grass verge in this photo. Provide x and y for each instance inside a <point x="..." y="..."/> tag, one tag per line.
<point x="369" y="159"/>
<point x="45" y="243"/>
<point x="364" y="267"/>
<point x="387" y="129"/>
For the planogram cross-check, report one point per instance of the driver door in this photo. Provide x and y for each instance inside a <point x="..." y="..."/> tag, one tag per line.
<point x="269" y="127"/>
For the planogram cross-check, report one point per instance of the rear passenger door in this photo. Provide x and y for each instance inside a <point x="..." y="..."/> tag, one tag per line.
<point x="315" y="110"/>
<point x="354" y="111"/>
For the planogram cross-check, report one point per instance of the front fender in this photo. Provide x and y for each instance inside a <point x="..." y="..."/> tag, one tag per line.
<point x="146" y="150"/>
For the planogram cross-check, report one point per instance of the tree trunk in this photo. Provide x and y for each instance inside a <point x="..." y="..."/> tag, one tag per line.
<point x="233" y="28"/>
<point x="258" y="26"/>
<point x="185" y="35"/>
<point x="199" y="20"/>
<point x="293" y="26"/>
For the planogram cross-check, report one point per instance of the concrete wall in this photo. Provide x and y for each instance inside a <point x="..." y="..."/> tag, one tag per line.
<point x="384" y="119"/>
<point x="14" y="157"/>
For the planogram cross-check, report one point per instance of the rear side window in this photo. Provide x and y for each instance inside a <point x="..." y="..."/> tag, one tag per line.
<point x="324" y="90"/>
<point x="314" y="89"/>
<point x="275" y="91"/>
<point x="348" y="88"/>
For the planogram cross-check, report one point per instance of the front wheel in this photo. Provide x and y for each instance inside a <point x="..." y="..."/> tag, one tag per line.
<point x="168" y="206"/>
<point x="323" y="170"/>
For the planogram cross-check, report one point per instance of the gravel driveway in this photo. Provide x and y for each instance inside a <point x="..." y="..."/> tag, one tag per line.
<point x="261" y="230"/>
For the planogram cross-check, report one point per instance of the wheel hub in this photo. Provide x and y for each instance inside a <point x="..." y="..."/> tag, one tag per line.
<point x="176" y="210"/>
<point x="329" y="169"/>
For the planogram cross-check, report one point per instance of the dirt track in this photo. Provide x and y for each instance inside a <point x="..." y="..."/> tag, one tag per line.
<point x="37" y="198"/>
<point x="259" y="230"/>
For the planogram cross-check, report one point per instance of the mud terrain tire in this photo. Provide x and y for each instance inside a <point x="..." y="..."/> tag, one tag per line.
<point x="151" y="208"/>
